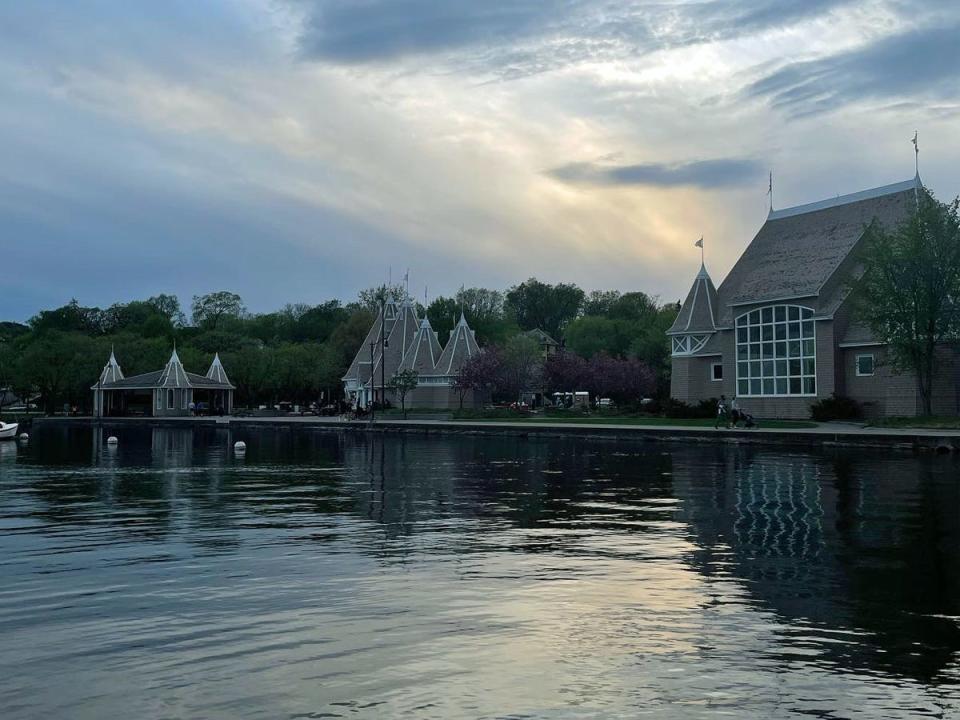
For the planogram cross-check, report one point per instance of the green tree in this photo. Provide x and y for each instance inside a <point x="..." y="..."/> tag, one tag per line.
<point x="909" y="290"/>
<point x="521" y="363"/>
<point x="371" y="298"/>
<point x="211" y="310"/>
<point x="599" y="302"/>
<point x="443" y="313"/>
<point x="169" y="307"/>
<point x="548" y="307"/>
<point x="402" y="383"/>
<point x="70" y="318"/>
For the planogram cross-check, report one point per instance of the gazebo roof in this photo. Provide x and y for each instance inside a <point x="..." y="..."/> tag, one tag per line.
<point x="111" y="371"/>
<point x="216" y="371"/>
<point x="172" y="376"/>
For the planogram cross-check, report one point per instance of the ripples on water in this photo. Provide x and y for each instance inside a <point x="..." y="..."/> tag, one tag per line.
<point x="331" y="575"/>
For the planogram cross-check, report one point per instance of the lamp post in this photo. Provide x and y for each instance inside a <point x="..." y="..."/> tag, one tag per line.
<point x="372" y="389"/>
<point x="382" y="341"/>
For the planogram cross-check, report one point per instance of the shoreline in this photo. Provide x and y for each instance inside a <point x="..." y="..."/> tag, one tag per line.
<point x="824" y="435"/>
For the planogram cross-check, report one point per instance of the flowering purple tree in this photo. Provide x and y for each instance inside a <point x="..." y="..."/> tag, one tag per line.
<point x="565" y="371"/>
<point x="625" y="380"/>
<point x="480" y="373"/>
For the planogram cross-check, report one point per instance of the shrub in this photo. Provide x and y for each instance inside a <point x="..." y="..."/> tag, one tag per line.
<point x="679" y="409"/>
<point x="836" y="407"/>
<point x="495" y="413"/>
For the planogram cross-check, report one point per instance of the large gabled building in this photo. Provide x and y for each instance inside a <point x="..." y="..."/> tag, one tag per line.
<point x="779" y="333"/>
<point x="411" y="344"/>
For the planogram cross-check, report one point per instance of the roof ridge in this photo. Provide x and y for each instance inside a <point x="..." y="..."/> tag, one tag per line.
<point x="847" y="199"/>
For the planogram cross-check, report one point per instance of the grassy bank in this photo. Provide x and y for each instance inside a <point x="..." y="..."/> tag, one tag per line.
<point x="635" y="420"/>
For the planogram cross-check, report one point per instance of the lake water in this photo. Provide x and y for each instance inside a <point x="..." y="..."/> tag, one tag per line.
<point x="335" y="575"/>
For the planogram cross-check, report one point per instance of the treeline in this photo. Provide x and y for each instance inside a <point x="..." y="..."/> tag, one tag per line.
<point x="299" y="353"/>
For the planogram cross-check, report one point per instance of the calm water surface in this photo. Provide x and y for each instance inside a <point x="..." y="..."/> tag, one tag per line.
<point x="329" y="575"/>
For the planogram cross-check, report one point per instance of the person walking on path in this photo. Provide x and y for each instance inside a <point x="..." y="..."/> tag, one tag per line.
<point x="735" y="414"/>
<point x="722" y="413"/>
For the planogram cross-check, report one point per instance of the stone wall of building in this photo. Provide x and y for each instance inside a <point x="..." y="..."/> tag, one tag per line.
<point x="437" y="397"/>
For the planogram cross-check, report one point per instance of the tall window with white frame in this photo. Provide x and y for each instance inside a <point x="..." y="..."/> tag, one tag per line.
<point x="776" y="352"/>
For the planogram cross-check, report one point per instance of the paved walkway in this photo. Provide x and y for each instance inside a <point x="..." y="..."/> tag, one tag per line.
<point x="831" y="428"/>
<point x="837" y="432"/>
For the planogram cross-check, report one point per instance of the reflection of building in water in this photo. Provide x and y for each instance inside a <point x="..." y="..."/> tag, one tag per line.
<point x="172" y="447"/>
<point x="842" y="543"/>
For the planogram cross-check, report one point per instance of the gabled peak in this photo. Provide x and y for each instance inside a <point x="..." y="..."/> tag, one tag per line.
<point x="111" y="371"/>
<point x="216" y="371"/>
<point x="699" y="311"/>
<point x="173" y="374"/>
<point x="463" y="320"/>
<point x="425" y="323"/>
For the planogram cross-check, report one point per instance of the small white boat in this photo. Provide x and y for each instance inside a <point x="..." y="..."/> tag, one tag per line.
<point x="8" y="431"/>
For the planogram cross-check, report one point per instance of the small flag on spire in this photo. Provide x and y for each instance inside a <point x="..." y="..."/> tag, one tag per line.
<point x="698" y="243"/>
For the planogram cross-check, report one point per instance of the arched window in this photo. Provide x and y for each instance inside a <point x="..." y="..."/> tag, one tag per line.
<point x="776" y="352"/>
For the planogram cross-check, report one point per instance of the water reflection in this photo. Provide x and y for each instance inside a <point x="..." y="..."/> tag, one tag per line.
<point x="554" y="578"/>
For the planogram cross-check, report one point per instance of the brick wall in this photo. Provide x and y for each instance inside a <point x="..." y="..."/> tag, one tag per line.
<point x="690" y="379"/>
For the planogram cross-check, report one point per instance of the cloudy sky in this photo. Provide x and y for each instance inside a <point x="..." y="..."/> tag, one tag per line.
<point x="294" y="150"/>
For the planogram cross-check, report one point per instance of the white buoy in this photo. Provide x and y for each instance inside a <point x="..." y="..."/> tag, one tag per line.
<point x="240" y="446"/>
<point x="112" y="440"/>
<point x="24" y="437"/>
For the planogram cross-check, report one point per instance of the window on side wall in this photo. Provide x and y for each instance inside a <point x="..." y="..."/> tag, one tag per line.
<point x="716" y="371"/>
<point x="865" y="364"/>
<point x="169" y="399"/>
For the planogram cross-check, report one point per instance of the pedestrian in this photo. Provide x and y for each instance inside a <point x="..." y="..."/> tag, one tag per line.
<point x="193" y="408"/>
<point x="735" y="414"/>
<point x="722" y="413"/>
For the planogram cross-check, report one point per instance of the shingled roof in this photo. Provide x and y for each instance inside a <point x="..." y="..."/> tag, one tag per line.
<point x="216" y="371"/>
<point x="424" y="351"/>
<point x="399" y="341"/>
<point x="111" y="371"/>
<point x="172" y="376"/>
<point x="461" y="346"/>
<point x="799" y="249"/>
<point x="360" y="367"/>
<point x="699" y="311"/>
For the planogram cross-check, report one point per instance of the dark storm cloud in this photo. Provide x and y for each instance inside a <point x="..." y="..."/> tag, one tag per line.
<point x="719" y="173"/>
<point x="918" y="64"/>
<point x="527" y="36"/>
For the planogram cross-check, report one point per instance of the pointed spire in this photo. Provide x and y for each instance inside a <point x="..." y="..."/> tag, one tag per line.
<point x="699" y="311"/>
<point x="111" y="371"/>
<point x="173" y="374"/>
<point x="216" y="371"/>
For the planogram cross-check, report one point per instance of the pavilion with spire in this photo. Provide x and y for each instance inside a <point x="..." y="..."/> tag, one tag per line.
<point x="411" y="344"/>
<point x="163" y="393"/>
<point x="780" y="333"/>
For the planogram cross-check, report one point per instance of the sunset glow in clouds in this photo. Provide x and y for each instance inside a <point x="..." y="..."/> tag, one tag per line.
<point x="293" y="151"/>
